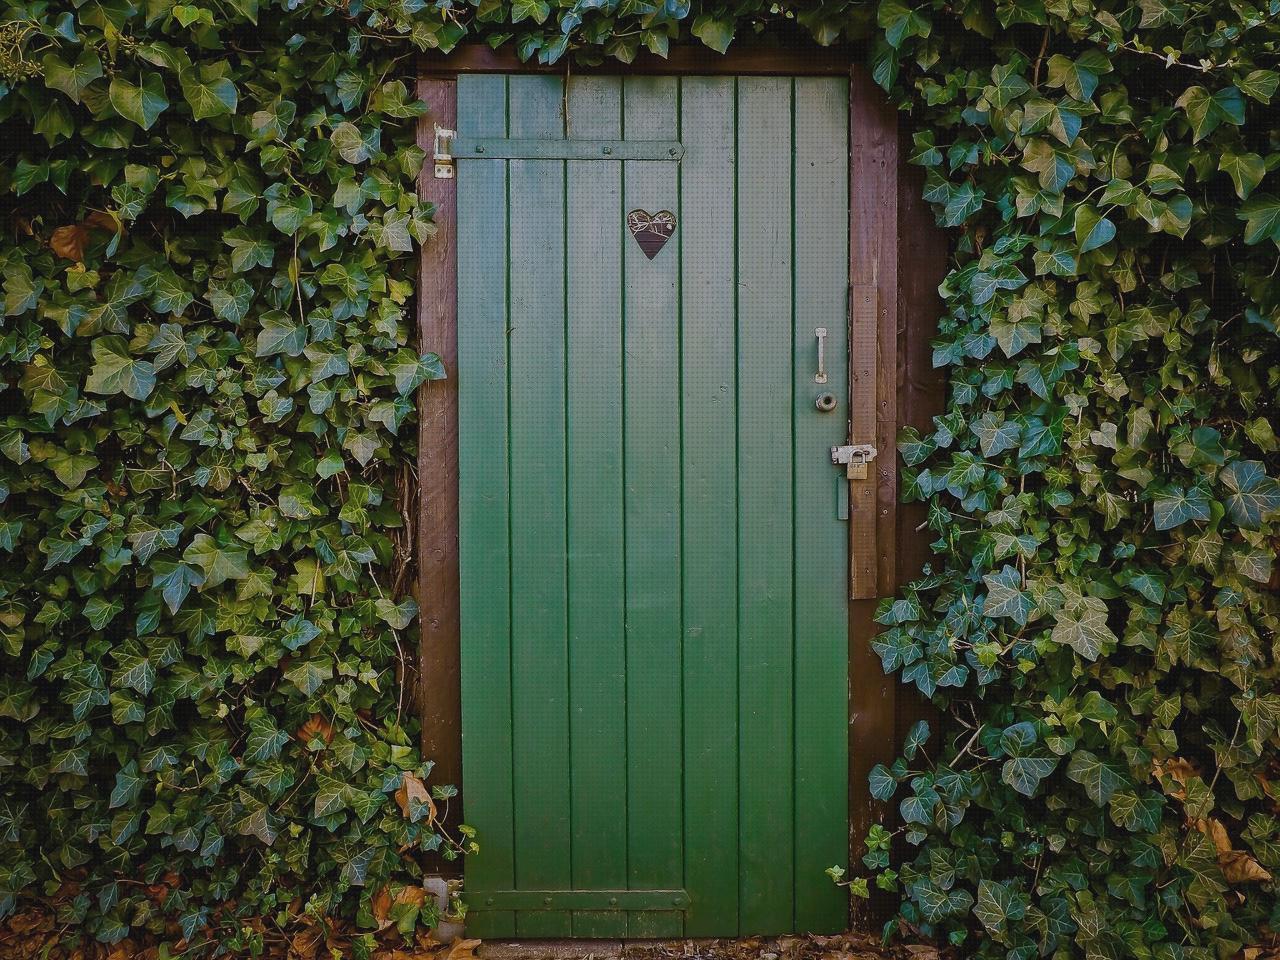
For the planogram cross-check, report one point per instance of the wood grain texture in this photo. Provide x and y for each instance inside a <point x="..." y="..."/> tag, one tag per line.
<point x="597" y="561"/>
<point x="765" y="506"/>
<point x="873" y="259"/>
<point x="484" y="501"/>
<point x="538" y="464"/>
<point x="709" y="404"/>
<point x="439" y="683"/>
<point x="923" y="257"/>
<point x="821" y="684"/>
<point x="651" y="347"/>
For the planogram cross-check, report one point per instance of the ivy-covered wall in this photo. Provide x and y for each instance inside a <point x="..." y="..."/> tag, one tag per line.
<point x="206" y="382"/>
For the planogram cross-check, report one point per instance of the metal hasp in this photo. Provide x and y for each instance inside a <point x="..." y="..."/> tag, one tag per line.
<point x="443" y="153"/>
<point x="854" y="457"/>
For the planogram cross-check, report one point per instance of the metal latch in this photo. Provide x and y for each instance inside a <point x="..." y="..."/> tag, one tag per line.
<point x="443" y="151"/>
<point x="855" y="458"/>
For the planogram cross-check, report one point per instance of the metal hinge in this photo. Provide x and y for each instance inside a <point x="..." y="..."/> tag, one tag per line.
<point x="854" y="457"/>
<point x="443" y="152"/>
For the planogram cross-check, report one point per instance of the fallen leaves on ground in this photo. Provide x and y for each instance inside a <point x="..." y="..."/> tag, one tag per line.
<point x="35" y="934"/>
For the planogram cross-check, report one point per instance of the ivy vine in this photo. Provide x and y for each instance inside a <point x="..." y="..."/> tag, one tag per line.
<point x="208" y="380"/>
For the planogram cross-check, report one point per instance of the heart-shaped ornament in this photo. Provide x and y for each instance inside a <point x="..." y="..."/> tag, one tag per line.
<point x="651" y="231"/>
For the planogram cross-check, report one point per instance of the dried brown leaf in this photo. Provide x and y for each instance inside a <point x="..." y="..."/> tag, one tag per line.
<point x="69" y="242"/>
<point x="412" y="790"/>
<point x="1239" y="867"/>
<point x="316" y="726"/>
<point x="462" y="950"/>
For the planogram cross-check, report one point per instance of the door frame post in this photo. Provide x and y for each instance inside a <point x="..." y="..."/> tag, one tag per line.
<point x="438" y="690"/>
<point x="873" y="411"/>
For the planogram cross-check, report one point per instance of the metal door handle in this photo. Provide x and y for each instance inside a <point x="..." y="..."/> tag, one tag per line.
<point x="821" y="375"/>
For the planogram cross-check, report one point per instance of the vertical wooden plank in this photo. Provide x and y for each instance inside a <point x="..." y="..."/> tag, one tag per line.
<point x="539" y="627"/>
<point x="597" y="618"/>
<point x="765" y="491"/>
<point x="710" y="541"/>
<point x="873" y="254"/>
<point x="484" y="494"/>
<point x="652" y="422"/>
<point x="821" y="613"/>
<point x="439" y="690"/>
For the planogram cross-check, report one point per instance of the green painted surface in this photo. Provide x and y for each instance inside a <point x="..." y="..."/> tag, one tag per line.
<point x="653" y="563"/>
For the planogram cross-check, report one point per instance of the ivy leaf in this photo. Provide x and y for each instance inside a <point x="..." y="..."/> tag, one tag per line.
<point x="1253" y="497"/>
<point x="1078" y="77"/>
<point x="100" y="611"/>
<point x="1174" y="506"/>
<point x="410" y="370"/>
<point x="900" y="22"/>
<point x="1082" y="625"/>
<point x="996" y="434"/>
<point x="299" y="631"/>
<point x="351" y="145"/>
<point x="1246" y="171"/>
<point x="535" y="10"/>
<point x="231" y="301"/>
<point x="1015" y="335"/>
<point x="309" y="675"/>
<point x="258" y="821"/>
<point x="1137" y="814"/>
<point x="882" y="783"/>
<point x="1259" y="84"/>
<point x="143" y="102"/>
<point x="996" y="905"/>
<point x="208" y="96"/>
<point x="218" y="561"/>
<point x="280" y="334"/>
<point x="1099" y="778"/>
<point x="147" y="539"/>
<point x="1261" y="214"/>
<point x="72" y="80"/>
<point x="288" y="213"/>
<point x="331" y="797"/>
<point x="1005" y="597"/>
<point x="128" y="786"/>
<point x="715" y="33"/>
<point x="916" y="738"/>
<point x="1092" y="229"/>
<point x="116" y="371"/>
<point x="135" y="671"/>
<point x="1025" y="773"/>
<point x="1205" y="111"/>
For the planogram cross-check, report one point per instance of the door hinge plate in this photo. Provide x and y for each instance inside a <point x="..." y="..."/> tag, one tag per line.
<point x="443" y="153"/>
<point x="854" y="457"/>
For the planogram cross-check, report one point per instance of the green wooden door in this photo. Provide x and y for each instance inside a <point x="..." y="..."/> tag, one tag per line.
<point x="653" y="560"/>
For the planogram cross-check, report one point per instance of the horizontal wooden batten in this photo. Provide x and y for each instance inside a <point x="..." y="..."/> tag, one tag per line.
<point x="492" y="148"/>
<point x="684" y="60"/>
<point x="580" y="900"/>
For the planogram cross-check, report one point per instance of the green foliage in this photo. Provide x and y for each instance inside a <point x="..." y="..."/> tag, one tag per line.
<point x="1101" y="626"/>
<point x="209" y="377"/>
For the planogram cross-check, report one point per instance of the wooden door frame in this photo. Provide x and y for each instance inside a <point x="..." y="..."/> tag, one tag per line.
<point x="892" y="315"/>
